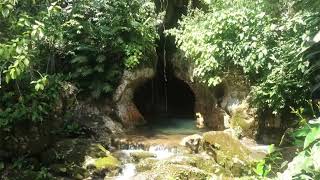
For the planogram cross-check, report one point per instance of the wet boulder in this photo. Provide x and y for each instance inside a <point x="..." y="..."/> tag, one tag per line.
<point x="227" y="150"/>
<point x="192" y="142"/>
<point x="173" y="171"/>
<point x="139" y="155"/>
<point x="180" y="166"/>
<point x="245" y="118"/>
<point x="103" y="166"/>
<point x="97" y="120"/>
<point x="80" y="158"/>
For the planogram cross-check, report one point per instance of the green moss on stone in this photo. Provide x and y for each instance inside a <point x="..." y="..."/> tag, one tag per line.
<point x="239" y="119"/>
<point x="138" y="155"/>
<point x="108" y="162"/>
<point x="146" y="164"/>
<point x="225" y="143"/>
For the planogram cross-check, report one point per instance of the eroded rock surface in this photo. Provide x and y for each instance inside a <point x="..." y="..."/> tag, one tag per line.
<point x="123" y="97"/>
<point x="79" y="159"/>
<point x="230" y="152"/>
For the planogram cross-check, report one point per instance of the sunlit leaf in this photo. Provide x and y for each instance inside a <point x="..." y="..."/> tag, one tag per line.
<point x="312" y="136"/>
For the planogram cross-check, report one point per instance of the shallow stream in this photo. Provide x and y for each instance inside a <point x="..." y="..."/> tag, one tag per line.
<point x="159" y="143"/>
<point x="160" y="138"/>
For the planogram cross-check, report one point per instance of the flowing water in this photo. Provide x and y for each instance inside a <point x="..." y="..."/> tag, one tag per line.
<point x="160" y="152"/>
<point x="161" y="138"/>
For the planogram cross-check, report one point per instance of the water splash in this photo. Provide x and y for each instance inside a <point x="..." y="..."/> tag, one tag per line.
<point x="128" y="172"/>
<point x="129" y="168"/>
<point x="162" y="152"/>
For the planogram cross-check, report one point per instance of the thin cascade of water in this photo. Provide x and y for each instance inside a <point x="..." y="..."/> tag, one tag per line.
<point x="129" y="168"/>
<point x="128" y="172"/>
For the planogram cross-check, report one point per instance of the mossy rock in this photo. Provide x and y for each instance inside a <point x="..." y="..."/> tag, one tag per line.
<point x="208" y="164"/>
<point x="108" y="162"/>
<point x="177" y="171"/>
<point x="100" y="167"/>
<point x="146" y="164"/>
<point x="139" y="155"/>
<point x="244" y="117"/>
<point x="226" y="144"/>
<point x="239" y="119"/>
<point x="228" y="151"/>
<point x="73" y="151"/>
<point x="200" y="161"/>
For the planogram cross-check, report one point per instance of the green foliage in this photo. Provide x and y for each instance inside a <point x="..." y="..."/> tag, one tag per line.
<point x="306" y="164"/>
<point x="262" y="169"/>
<point x="73" y="129"/>
<point x="271" y="164"/>
<point x="31" y="104"/>
<point x="102" y="38"/>
<point x="307" y="130"/>
<point x="89" y="42"/>
<point x="266" y="46"/>
<point x="111" y="35"/>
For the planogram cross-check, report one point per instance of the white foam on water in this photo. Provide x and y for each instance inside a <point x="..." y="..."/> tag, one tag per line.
<point x="128" y="172"/>
<point x="161" y="152"/>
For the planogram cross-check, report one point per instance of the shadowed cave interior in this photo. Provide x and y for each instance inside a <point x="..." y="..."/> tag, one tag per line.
<point x="165" y="99"/>
<point x="158" y="100"/>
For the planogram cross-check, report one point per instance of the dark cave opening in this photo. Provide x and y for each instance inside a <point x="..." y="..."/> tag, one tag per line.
<point x="158" y="98"/>
<point x="165" y="96"/>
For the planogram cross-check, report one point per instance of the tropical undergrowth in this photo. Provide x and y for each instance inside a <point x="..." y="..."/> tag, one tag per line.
<point x="305" y="139"/>
<point x="263" y="39"/>
<point x="45" y="45"/>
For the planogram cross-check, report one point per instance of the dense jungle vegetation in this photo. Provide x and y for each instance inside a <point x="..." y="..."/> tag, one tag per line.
<point x="46" y="45"/>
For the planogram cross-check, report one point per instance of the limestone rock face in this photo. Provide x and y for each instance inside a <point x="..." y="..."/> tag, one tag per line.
<point x="216" y="105"/>
<point x="123" y="97"/>
<point x="96" y="120"/>
<point x="245" y="118"/>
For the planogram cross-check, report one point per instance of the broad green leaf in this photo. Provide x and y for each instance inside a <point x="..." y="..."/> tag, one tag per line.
<point x="260" y="168"/>
<point x="301" y="132"/>
<point x="271" y="148"/>
<point x="312" y="136"/>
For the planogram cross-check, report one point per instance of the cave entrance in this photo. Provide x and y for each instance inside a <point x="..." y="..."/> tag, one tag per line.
<point x="158" y="99"/>
<point x="165" y="99"/>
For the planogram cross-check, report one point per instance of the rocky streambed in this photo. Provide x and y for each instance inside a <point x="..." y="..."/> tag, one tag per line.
<point x="102" y="149"/>
<point x="209" y="155"/>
